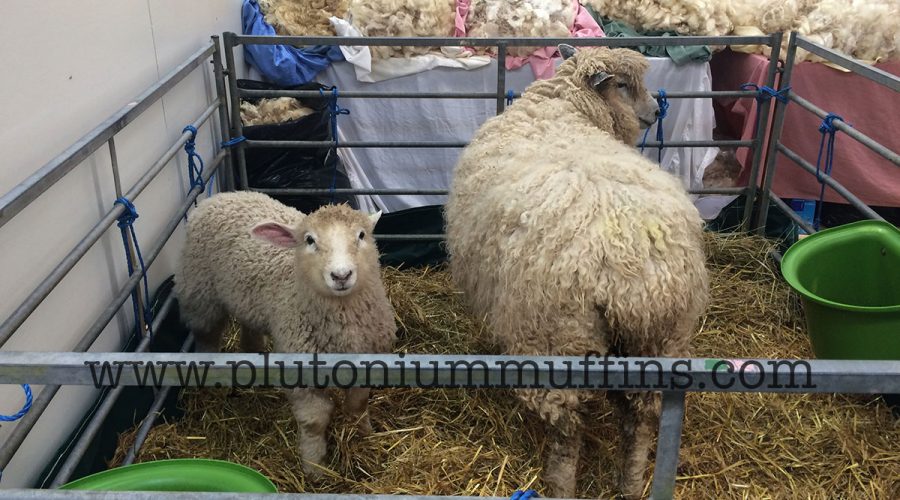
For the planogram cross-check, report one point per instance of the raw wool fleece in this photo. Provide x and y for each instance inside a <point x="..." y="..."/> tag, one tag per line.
<point x="268" y="289"/>
<point x="519" y="18"/>
<point x="302" y="17"/>
<point x="402" y="18"/>
<point x="686" y="17"/>
<point x="576" y="243"/>
<point x="267" y="111"/>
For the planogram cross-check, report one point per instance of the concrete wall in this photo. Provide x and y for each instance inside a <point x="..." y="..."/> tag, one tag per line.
<point x="67" y="66"/>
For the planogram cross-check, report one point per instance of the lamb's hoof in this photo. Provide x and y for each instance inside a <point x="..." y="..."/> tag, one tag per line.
<point x="313" y="472"/>
<point x="364" y="427"/>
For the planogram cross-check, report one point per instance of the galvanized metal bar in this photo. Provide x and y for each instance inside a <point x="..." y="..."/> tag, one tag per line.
<point x="729" y="191"/>
<point x="152" y="414"/>
<point x="18" y="435"/>
<point x="226" y="178"/>
<point x="501" y="76"/>
<point x="29" y="189"/>
<point x="874" y="74"/>
<point x="668" y="445"/>
<point x="362" y="94"/>
<point x="457" y="144"/>
<point x="787" y="210"/>
<point x="93" y="427"/>
<point x="34" y="299"/>
<point x="863" y="139"/>
<point x="830" y="182"/>
<point x="589" y="372"/>
<point x="632" y="41"/>
<point x="422" y="191"/>
<point x="760" y="134"/>
<point x="762" y="213"/>
<point x="237" y="126"/>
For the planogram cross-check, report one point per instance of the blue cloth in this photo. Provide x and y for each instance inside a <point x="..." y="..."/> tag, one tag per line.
<point x="283" y="64"/>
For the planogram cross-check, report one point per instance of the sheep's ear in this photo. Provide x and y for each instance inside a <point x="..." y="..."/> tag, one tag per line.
<point x="373" y="218"/>
<point x="275" y="233"/>
<point x="566" y="50"/>
<point x="600" y="80"/>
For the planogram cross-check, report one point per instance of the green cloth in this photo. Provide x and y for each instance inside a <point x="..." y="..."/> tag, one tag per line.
<point x="677" y="53"/>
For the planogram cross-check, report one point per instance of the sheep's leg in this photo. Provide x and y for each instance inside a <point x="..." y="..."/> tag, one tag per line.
<point x="207" y="322"/>
<point x="558" y="408"/>
<point x="252" y="340"/>
<point x="637" y="414"/>
<point x="356" y="405"/>
<point x="313" y="410"/>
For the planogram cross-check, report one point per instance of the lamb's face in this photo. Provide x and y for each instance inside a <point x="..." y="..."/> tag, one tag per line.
<point x="335" y="250"/>
<point x="617" y="76"/>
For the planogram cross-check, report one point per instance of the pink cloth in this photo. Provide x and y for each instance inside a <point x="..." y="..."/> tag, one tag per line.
<point x="541" y="60"/>
<point x="868" y="107"/>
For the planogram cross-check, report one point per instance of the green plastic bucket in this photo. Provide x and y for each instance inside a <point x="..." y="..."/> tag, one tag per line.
<point x="185" y="474"/>
<point x="848" y="278"/>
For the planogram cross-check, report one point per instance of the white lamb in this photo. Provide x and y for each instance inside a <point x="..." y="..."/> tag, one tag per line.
<point x="567" y="241"/>
<point x="311" y="282"/>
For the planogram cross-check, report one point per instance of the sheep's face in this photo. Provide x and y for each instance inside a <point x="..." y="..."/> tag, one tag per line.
<point x="617" y="77"/>
<point x="335" y="251"/>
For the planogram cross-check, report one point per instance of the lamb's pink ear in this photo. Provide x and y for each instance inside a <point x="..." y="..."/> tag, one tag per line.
<point x="275" y="233"/>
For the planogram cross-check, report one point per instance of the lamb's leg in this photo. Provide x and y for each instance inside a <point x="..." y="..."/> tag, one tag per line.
<point x="356" y="405"/>
<point x="207" y="322"/>
<point x="638" y="414"/>
<point x="313" y="410"/>
<point x="558" y="408"/>
<point x="252" y="340"/>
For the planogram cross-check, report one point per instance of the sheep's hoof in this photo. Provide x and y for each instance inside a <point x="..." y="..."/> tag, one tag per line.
<point x="312" y="472"/>
<point x="364" y="428"/>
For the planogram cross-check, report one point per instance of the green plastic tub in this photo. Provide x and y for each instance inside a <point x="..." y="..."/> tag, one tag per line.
<point x="848" y="278"/>
<point x="177" y="475"/>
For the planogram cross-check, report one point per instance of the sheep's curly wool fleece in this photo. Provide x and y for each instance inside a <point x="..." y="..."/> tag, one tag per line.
<point x="686" y="17"/>
<point x="520" y="18"/>
<point x="402" y="18"/>
<point x="277" y="110"/>
<point x="302" y="17"/>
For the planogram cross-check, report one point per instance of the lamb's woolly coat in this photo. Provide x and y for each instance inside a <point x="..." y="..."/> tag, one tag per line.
<point x="270" y="290"/>
<point x="567" y="241"/>
<point x="223" y="268"/>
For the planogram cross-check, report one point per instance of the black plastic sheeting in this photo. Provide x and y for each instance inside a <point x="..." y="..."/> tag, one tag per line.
<point x="271" y="168"/>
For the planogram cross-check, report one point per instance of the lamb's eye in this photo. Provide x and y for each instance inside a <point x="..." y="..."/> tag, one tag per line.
<point x="362" y="235"/>
<point x="310" y="240"/>
<point x="622" y="85"/>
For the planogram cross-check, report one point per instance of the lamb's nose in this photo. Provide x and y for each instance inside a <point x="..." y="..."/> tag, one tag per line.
<point x="341" y="277"/>
<point x="658" y="112"/>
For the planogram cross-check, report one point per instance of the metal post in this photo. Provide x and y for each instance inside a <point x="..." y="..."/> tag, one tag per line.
<point x="226" y="178"/>
<point x="667" y="445"/>
<point x="501" y="76"/>
<point x="760" y="133"/>
<point x="106" y="405"/>
<point x="237" y="128"/>
<point x="129" y="243"/>
<point x="775" y="136"/>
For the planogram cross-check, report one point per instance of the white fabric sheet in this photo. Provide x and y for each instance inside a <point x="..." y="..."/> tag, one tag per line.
<point x="457" y="120"/>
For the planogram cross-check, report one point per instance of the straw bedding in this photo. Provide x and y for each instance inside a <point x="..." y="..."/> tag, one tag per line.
<point x="480" y="442"/>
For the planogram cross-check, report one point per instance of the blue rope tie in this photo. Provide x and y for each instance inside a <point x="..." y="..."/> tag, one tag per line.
<point x="510" y="96"/>
<point x="827" y="129"/>
<point x="524" y="495"/>
<point x="126" y="225"/>
<point x="334" y="110"/>
<point x="234" y="141"/>
<point x="25" y="409"/>
<point x="195" y="173"/>
<point x="765" y="94"/>
<point x="663" y="103"/>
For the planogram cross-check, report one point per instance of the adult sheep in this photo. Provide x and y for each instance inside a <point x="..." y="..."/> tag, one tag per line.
<point x="567" y="241"/>
<point x="310" y="282"/>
